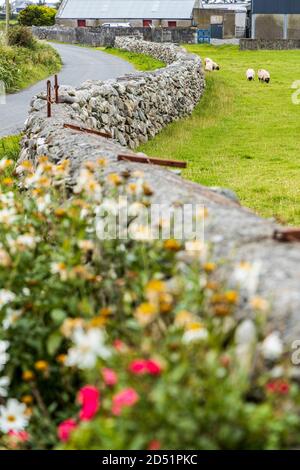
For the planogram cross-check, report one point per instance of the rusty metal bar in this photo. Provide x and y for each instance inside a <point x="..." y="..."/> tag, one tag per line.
<point x="87" y="131"/>
<point x="56" y="88"/>
<point x="153" y="161"/>
<point x="287" y="235"/>
<point x="49" y="100"/>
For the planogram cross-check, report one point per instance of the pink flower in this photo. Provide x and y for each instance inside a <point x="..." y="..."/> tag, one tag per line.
<point x="153" y="367"/>
<point x="127" y="397"/>
<point x="138" y="367"/>
<point x="19" y="436"/>
<point x="143" y="366"/>
<point x="65" y="429"/>
<point x="110" y="377"/>
<point x="119" y="345"/>
<point x="154" y="445"/>
<point x="89" y="398"/>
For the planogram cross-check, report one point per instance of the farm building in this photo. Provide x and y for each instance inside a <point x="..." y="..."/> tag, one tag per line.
<point x="139" y="13"/>
<point x="224" y="18"/>
<point x="275" y="19"/>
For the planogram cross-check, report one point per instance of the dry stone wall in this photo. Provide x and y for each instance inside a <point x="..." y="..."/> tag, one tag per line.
<point x="136" y="107"/>
<point x="234" y="234"/>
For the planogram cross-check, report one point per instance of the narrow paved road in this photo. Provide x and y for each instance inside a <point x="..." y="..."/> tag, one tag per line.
<point x="80" y="64"/>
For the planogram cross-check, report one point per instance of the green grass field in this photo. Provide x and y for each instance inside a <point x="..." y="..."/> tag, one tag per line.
<point x="243" y="135"/>
<point x="141" y="62"/>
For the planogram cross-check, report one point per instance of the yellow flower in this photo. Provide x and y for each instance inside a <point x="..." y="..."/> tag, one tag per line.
<point x="183" y="318"/>
<point x="145" y="313"/>
<point x="70" y="324"/>
<point x="90" y="166"/>
<point x="27" y="375"/>
<point x="5" y="163"/>
<point x="221" y="310"/>
<point x="172" y="245"/>
<point x="132" y="187"/>
<point x="98" y="321"/>
<point x="147" y="190"/>
<point x="156" y="285"/>
<point x="41" y="366"/>
<point x="86" y="245"/>
<point x="209" y="267"/>
<point x="27" y="399"/>
<point x="106" y="311"/>
<point x="231" y="296"/>
<point x="258" y="303"/>
<point x="61" y="358"/>
<point x="8" y="181"/>
<point x="60" y="212"/>
<point x="5" y="259"/>
<point x="102" y="162"/>
<point x="114" y="179"/>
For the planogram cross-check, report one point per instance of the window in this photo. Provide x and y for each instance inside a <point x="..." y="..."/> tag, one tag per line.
<point x="172" y="24"/>
<point x="147" y="23"/>
<point x="81" y="23"/>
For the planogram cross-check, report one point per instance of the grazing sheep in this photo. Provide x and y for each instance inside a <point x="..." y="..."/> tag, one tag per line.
<point x="264" y="76"/>
<point x="210" y="65"/>
<point x="250" y="74"/>
<point x="216" y="66"/>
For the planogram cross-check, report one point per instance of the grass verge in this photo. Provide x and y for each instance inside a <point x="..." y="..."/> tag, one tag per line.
<point x="244" y="136"/>
<point x="21" y="67"/>
<point x="10" y="147"/>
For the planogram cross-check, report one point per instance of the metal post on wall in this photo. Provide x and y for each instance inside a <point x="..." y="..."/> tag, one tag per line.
<point x="253" y="25"/>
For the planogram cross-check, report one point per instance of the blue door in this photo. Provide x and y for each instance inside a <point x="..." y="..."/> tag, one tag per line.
<point x="203" y="36"/>
<point x="216" y="31"/>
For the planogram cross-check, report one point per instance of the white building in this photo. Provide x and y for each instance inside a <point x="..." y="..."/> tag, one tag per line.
<point x="168" y="13"/>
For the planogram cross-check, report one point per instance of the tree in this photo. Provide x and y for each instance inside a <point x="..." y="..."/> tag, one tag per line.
<point x="37" y="15"/>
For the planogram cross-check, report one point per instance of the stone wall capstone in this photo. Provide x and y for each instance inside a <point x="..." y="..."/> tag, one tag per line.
<point x="237" y="237"/>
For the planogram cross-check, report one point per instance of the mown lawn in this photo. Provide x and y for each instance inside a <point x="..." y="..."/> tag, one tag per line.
<point x="244" y="136"/>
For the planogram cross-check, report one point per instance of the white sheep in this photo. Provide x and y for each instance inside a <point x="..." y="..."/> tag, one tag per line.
<point x="250" y="74"/>
<point x="264" y="76"/>
<point x="210" y="65"/>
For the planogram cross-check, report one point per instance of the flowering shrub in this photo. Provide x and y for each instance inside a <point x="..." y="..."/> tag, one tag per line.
<point x="123" y="343"/>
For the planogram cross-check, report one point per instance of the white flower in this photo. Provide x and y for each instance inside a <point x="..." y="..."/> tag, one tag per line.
<point x="7" y="216"/>
<point x="61" y="269"/>
<point x="26" y="241"/>
<point x="10" y="318"/>
<point x="13" y="416"/>
<point x="4" y="383"/>
<point x="6" y="297"/>
<point x="245" y="333"/>
<point x="195" y="334"/>
<point x="88" y="346"/>
<point x="141" y="232"/>
<point x="4" y="345"/>
<point x="272" y="347"/>
<point x="247" y="275"/>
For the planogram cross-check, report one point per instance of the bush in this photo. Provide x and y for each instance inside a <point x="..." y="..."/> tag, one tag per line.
<point x="37" y="15"/>
<point x="122" y="343"/>
<point x="20" y="36"/>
